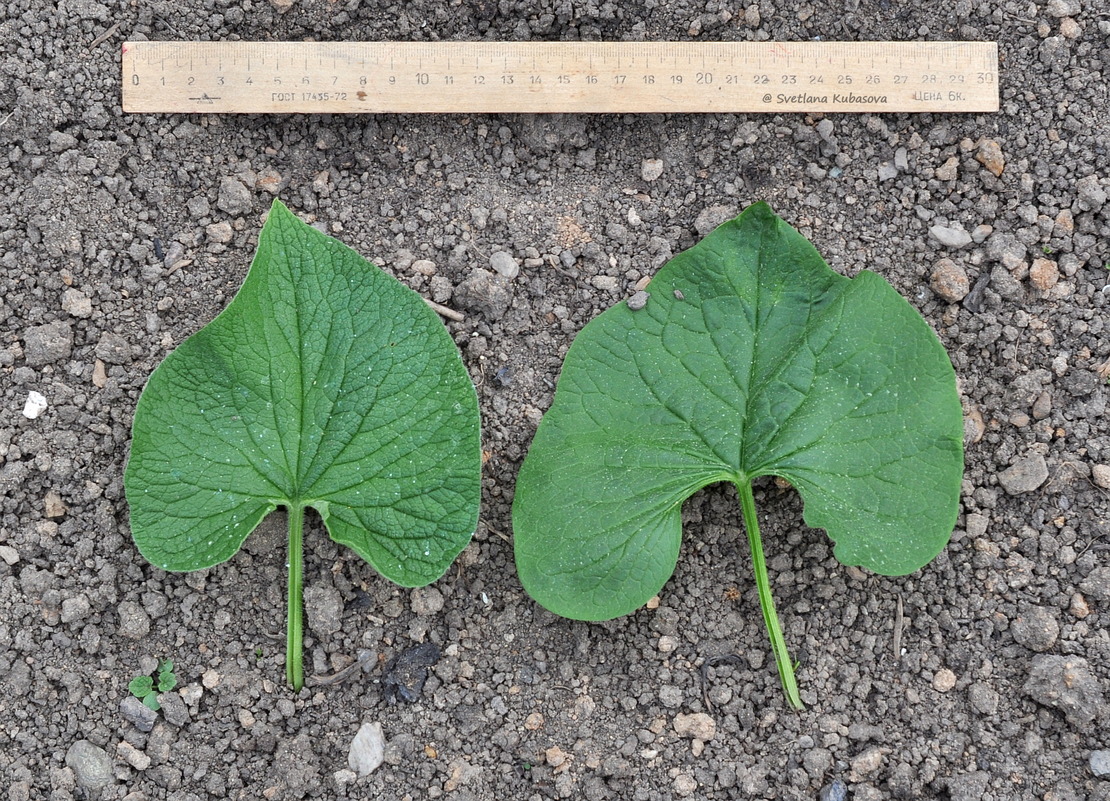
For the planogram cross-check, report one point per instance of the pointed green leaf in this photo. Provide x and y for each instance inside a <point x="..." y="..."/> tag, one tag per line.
<point x="751" y="358"/>
<point x="325" y="383"/>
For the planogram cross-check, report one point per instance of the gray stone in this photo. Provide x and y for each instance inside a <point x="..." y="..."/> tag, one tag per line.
<point x="1066" y="684"/>
<point x="1063" y="8"/>
<point x="74" y="609"/>
<point x="234" y="198"/>
<point x="486" y="293"/>
<point x="76" y="304"/>
<point x="983" y="698"/>
<point x="968" y="786"/>
<point x="1100" y="763"/>
<point x="113" y="349"/>
<point x="950" y="236"/>
<point x="134" y="622"/>
<point x="651" y="169"/>
<point x="48" y="343"/>
<point x="1007" y="249"/>
<point x="1036" y="629"/>
<point x="1091" y="192"/>
<point x="504" y="264"/>
<point x="1097" y="584"/>
<point x="174" y="709"/>
<point x="323" y="608"/>
<point x="135" y="712"/>
<point x="91" y="765"/>
<point x="638" y="301"/>
<point x="367" y="749"/>
<point x="887" y="171"/>
<point x="711" y="217"/>
<point x="1024" y="475"/>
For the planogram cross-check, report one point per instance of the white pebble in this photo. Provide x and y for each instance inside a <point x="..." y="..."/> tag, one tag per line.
<point x="36" y="404"/>
<point x="367" y="749"/>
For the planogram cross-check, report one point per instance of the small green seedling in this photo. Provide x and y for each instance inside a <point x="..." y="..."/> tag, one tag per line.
<point x="148" y="688"/>
<point x="325" y="383"/>
<point x="751" y="358"/>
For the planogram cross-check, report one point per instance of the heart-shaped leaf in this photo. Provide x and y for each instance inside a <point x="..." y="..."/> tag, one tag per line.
<point x="325" y="383"/>
<point x="751" y="358"/>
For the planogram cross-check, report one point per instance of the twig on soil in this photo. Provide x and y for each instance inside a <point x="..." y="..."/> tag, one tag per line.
<point x="104" y="36"/>
<point x="443" y="311"/>
<point x="899" y="623"/>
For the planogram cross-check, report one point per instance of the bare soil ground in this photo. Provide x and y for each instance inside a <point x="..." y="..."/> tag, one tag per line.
<point x="983" y="676"/>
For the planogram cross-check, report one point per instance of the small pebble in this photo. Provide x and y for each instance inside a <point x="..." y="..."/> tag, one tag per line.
<point x="1100" y="474"/>
<point x="34" y="405"/>
<point x="138" y="714"/>
<point x="504" y="264"/>
<point x="1042" y="406"/>
<point x="91" y="765"/>
<point x="949" y="280"/>
<point x="233" y="197"/>
<point x="1065" y="683"/>
<point x="983" y="698"/>
<point x="1036" y="629"/>
<point x="367" y="750"/>
<point x="133" y="756"/>
<point x="944" y="680"/>
<point x="53" y="505"/>
<point x="1096" y="584"/>
<point x="868" y="762"/>
<point x="1044" y="274"/>
<point x="1100" y="763"/>
<point x="949" y="170"/>
<point x="1024" y="475"/>
<point x="685" y="785"/>
<point x="651" y="169"/>
<point x="990" y="156"/>
<point x="697" y="726"/>
<point x="954" y="236"/>
<point x="638" y="301"/>
<point x="426" y="601"/>
<point x="76" y="303"/>
<point x="836" y="790"/>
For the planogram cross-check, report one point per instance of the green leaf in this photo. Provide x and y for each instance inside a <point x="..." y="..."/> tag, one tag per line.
<point x="151" y="701"/>
<point x="751" y="358"/>
<point x="325" y="383"/>
<point x="166" y="678"/>
<point x="141" y="686"/>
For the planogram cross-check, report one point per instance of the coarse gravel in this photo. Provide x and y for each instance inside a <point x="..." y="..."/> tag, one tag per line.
<point x="982" y="676"/>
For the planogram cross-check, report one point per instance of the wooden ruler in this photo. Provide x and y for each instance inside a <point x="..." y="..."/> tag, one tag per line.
<point x="538" y="77"/>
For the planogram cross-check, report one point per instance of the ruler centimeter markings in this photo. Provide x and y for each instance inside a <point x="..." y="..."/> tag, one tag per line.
<point x="558" y="77"/>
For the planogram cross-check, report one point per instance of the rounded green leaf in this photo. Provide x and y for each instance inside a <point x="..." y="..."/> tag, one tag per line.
<point x="750" y="358"/>
<point x="325" y="383"/>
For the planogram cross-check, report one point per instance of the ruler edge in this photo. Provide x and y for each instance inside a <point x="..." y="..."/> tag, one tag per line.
<point x="989" y="54"/>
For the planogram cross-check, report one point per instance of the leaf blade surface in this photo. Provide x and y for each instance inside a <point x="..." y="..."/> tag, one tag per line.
<point x="764" y="362"/>
<point x="324" y="383"/>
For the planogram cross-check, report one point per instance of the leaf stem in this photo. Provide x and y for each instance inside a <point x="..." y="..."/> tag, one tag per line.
<point x="766" y="602"/>
<point x="294" y="673"/>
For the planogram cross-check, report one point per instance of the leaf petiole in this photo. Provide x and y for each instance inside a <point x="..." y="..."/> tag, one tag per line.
<point x="766" y="602"/>
<point x="294" y="672"/>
